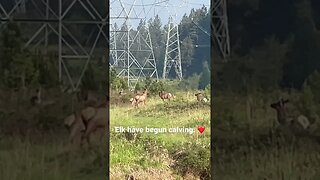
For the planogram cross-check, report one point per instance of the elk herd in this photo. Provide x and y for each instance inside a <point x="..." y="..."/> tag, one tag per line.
<point x="140" y="98"/>
<point x="94" y="116"/>
<point x="83" y="123"/>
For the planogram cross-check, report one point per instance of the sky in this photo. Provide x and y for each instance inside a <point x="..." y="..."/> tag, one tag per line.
<point x="139" y="9"/>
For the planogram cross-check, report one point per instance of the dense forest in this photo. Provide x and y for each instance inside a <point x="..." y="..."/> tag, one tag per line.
<point x="274" y="44"/>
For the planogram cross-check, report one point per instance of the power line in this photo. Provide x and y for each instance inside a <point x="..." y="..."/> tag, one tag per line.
<point x="202" y="29"/>
<point x="153" y="4"/>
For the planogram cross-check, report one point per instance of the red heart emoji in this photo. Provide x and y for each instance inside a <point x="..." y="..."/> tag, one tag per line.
<point x="201" y="129"/>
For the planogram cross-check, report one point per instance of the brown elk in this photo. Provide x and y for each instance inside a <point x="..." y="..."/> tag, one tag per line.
<point x="200" y="97"/>
<point x="140" y="98"/>
<point x="81" y="124"/>
<point x="132" y="100"/>
<point x="75" y="126"/>
<point x="95" y="119"/>
<point x="283" y="117"/>
<point x="164" y="95"/>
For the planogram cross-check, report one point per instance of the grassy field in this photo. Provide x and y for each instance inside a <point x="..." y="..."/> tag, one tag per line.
<point x="248" y="142"/>
<point x="163" y="155"/>
<point x="251" y="146"/>
<point x="50" y="159"/>
<point x="33" y="142"/>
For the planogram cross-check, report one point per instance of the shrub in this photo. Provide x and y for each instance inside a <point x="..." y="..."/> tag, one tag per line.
<point x="190" y="83"/>
<point x="194" y="158"/>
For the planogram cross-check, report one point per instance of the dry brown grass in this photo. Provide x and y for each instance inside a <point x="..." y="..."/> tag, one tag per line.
<point x="147" y="174"/>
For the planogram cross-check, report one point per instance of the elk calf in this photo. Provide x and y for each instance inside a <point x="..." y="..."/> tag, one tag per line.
<point x="164" y="95"/>
<point x="200" y="97"/>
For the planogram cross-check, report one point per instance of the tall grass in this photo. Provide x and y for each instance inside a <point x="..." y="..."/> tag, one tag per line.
<point x="250" y="146"/>
<point x="20" y="159"/>
<point x="33" y="142"/>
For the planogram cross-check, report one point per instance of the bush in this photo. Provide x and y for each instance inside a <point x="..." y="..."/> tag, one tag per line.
<point x="190" y="83"/>
<point x="207" y="91"/>
<point x="155" y="87"/>
<point x="194" y="158"/>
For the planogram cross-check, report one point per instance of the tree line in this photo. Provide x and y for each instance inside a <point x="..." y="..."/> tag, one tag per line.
<point x="275" y="44"/>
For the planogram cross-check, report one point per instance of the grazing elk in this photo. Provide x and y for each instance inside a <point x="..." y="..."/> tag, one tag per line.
<point x="140" y="98"/>
<point x="95" y="119"/>
<point x="164" y="95"/>
<point x="82" y="124"/>
<point x="200" y="97"/>
<point x="284" y="119"/>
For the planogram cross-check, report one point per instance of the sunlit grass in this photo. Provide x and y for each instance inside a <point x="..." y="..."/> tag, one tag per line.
<point x="182" y="112"/>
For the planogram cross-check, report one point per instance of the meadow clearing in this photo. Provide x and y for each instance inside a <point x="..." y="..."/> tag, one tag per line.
<point x="34" y="141"/>
<point x="248" y="143"/>
<point x="163" y="155"/>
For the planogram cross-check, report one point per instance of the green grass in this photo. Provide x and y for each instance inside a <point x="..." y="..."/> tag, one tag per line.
<point x="33" y="143"/>
<point x="156" y="151"/>
<point x="29" y="161"/>
<point x="249" y="147"/>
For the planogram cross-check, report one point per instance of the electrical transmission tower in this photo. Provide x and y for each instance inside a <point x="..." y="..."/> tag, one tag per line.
<point x="131" y="51"/>
<point x="172" y="55"/>
<point x="220" y="27"/>
<point x="59" y="26"/>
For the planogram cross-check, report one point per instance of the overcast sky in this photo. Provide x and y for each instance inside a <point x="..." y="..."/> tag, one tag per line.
<point x="149" y="8"/>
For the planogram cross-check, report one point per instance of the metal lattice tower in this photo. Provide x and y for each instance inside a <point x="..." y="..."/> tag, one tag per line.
<point x="172" y="54"/>
<point x="131" y="51"/>
<point x="220" y="26"/>
<point x="113" y="45"/>
<point x="54" y="26"/>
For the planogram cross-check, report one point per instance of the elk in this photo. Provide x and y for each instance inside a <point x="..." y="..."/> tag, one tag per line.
<point x="75" y="126"/>
<point x="164" y="95"/>
<point x="95" y="119"/>
<point x="284" y="119"/>
<point x="200" y="97"/>
<point x="83" y="123"/>
<point x="140" y="98"/>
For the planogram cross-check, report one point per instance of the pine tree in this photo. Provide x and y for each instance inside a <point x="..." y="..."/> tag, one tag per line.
<point x="205" y="76"/>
